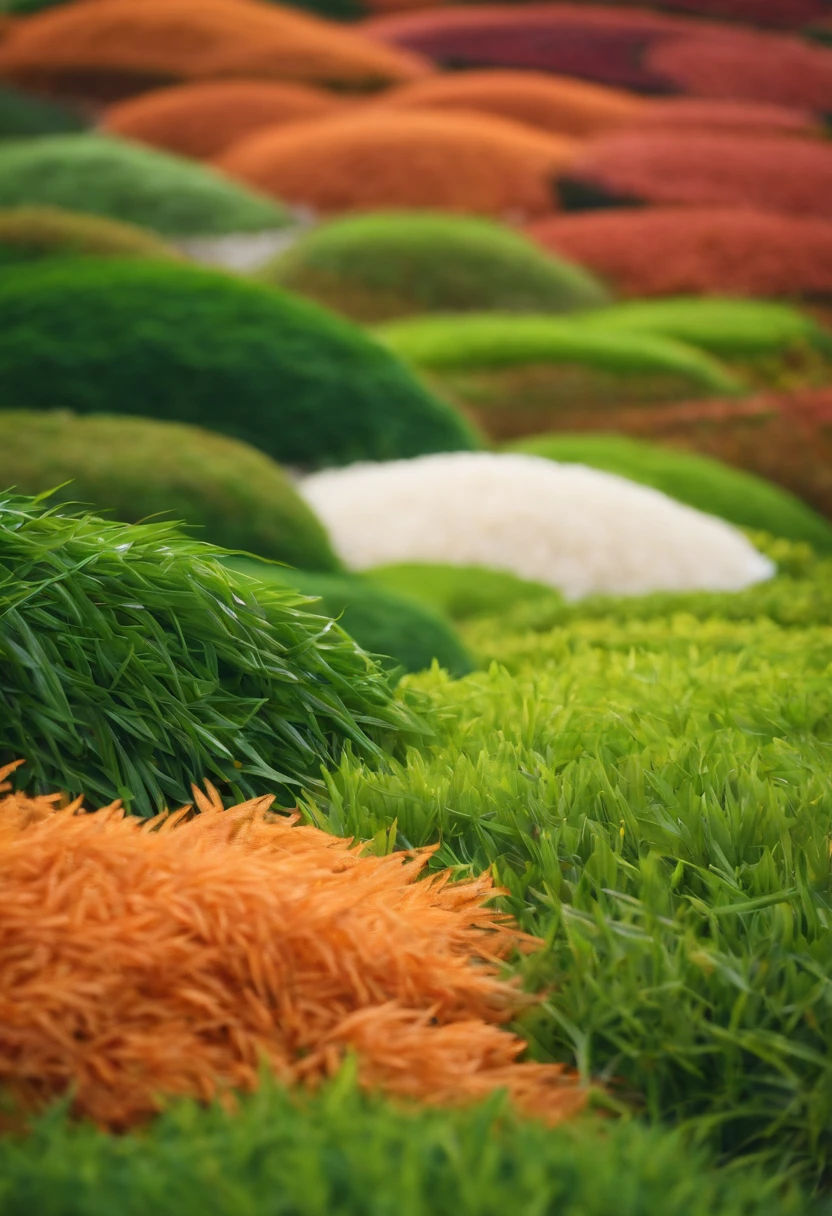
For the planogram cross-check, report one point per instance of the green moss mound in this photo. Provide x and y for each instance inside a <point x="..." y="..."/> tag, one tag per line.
<point x="378" y="267"/>
<point x="102" y="175"/>
<point x="132" y="469"/>
<point x="461" y="592"/>
<point x="132" y="664"/>
<point x="23" y="116"/>
<point x="185" y="344"/>
<point x="342" y="1152"/>
<point x="709" y="485"/>
<point x="396" y="627"/>
<point x="30" y="233"/>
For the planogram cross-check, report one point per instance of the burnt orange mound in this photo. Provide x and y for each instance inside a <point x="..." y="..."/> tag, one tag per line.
<point x="202" y="120"/>
<point x="110" y="49"/>
<point x="142" y="963"/>
<point x="673" y="251"/>
<point x="553" y="103"/>
<point x="379" y="160"/>
<point x="683" y="115"/>
<point x="772" y="173"/>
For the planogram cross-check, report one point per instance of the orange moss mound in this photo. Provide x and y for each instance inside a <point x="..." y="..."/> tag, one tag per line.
<point x="113" y="48"/>
<point x="203" y="120"/>
<point x="683" y="114"/>
<point x="170" y="958"/>
<point x="452" y="162"/>
<point x="553" y="103"/>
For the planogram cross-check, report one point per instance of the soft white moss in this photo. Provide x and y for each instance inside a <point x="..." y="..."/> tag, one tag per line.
<point x="575" y="528"/>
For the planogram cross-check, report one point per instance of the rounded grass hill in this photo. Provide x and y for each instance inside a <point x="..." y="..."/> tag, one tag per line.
<point x="525" y="375"/>
<point x="698" y="481"/>
<point x="110" y="49"/>
<point x="105" y="176"/>
<point x="132" y="469"/>
<point x="23" y="116"/>
<point x="204" y="118"/>
<point x="30" y="233"/>
<point x="185" y="344"/>
<point x="133" y="665"/>
<point x="377" y="159"/>
<point x="666" y="251"/>
<point x="398" y="629"/>
<point x="388" y="265"/>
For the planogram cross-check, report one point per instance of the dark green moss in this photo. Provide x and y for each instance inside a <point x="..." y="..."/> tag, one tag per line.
<point x="22" y="115"/>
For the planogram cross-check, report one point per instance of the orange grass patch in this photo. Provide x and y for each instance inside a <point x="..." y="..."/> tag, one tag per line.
<point x="554" y="103"/>
<point x="141" y="961"/>
<point x="682" y="114"/>
<point x="376" y="159"/>
<point x="115" y="48"/>
<point x="202" y="120"/>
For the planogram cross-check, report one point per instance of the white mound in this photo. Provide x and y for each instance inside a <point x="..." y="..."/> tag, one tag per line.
<point x="575" y="528"/>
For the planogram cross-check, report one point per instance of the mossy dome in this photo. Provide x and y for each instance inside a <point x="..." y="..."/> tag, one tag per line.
<point x="395" y="264"/>
<point x="30" y="233"/>
<point x="133" y="469"/>
<point x="23" y="115"/>
<point x="184" y="344"/>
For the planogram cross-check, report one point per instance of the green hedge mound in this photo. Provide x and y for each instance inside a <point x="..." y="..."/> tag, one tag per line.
<point x="344" y="1153"/>
<point x="132" y="664"/>
<point x="132" y="469"/>
<point x="185" y="344"/>
<point x="400" y="630"/>
<point x="461" y="592"/>
<point x="23" y="116"/>
<point x="378" y="267"/>
<point x="709" y="485"/>
<point x="105" y="176"/>
<point x="30" y="233"/>
<point x="525" y="375"/>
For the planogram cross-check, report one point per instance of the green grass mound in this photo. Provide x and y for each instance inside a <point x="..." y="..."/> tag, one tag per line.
<point x="525" y="375"/>
<point x="346" y="1154"/>
<point x="461" y="592"/>
<point x="30" y="233"/>
<point x="132" y="469"/>
<point x="23" y="116"/>
<point x="378" y="267"/>
<point x="185" y="344"/>
<point x="384" y="623"/>
<point x="650" y="782"/>
<point x="132" y="664"/>
<point x="105" y="176"/>
<point x="699" y="481"/>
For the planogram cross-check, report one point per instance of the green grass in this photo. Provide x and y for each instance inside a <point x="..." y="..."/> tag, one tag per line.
<point x="698" y="481"/>
<point x="343" y="1154"/>
<point x="461" y="592"/>
<point x="378" y="267"/>
<point x="132" y="664"/>
<point x="23" y="116"/>
<point x="400" y="630"/>
<point x="30" y="233"/>
<point x="185" y="344"/>
<point x="650" y="782"/>
<point x="133" y="468"/>
<point x="105" y="176"/>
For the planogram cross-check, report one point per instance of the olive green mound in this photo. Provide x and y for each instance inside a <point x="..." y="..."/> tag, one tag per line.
<point x="184" y="344"/>
<point x="133" y="469"/>
<point x="698" y="481"/>
<point x="30" y="233"/>
<point x="378" y="267"/>
<point x="401" y="631"/>
<point x="102" y="175"/>
<point x="23" y="116"/>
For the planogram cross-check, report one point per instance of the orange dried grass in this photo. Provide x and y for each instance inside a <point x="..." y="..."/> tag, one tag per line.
<point x="203" y="119"/>
<point x="93" y="47"/>
<point x="375" y="159"/>
<point x="553" y="103"/>
<point x="172" y="958"/>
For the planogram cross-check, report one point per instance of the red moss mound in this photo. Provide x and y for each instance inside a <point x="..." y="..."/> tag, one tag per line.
<point x="690" y="114"/>
<point x="792" y="176"/>
<point x="113" y="48"/>
<point x="783" y="14"/>
<point x="674" y="251"/>
<point x="202" y="120"/>
<point x="553" y="103"/>
<point x="137" y="963"/>
<point x="452" y="162"/>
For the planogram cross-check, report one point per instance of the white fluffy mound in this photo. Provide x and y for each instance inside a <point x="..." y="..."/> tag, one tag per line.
<point x="575" y="528"/>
